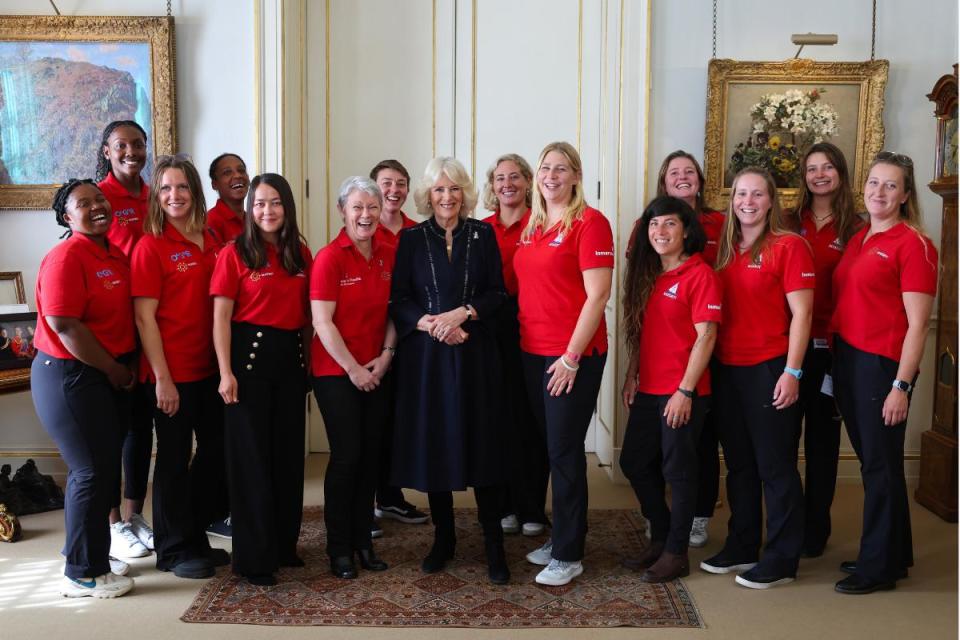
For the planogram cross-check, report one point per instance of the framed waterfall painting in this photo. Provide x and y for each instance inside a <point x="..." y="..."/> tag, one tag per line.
<point x="768" y="114"/>
<point x="62" y="79"/>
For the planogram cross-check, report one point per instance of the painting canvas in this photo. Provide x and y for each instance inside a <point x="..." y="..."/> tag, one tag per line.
<point x="56" y="97"/>
<point x="62" y="79"/>
<point x="768" y="114"/>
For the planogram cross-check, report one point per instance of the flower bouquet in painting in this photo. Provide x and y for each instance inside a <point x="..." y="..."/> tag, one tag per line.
<point x="784" y="126"/>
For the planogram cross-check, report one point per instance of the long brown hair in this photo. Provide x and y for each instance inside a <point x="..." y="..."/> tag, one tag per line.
<point x="662" y="178"/>
<point x="775" y="225"/>
<point x="577" y="204"/>
<point x="153" y="224"/>
<point x="644" y="265"/>
<point x="251" y="246"/>
<point x="845" y="219"/>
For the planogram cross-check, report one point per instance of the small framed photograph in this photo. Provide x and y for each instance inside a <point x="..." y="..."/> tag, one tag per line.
<point x="16" y="340"/>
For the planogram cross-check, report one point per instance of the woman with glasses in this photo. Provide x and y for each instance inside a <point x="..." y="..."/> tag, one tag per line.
<point x="883" y="290"/>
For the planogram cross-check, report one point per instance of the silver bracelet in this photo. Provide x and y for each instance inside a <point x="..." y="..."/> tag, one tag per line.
<point x="566" y="366"/>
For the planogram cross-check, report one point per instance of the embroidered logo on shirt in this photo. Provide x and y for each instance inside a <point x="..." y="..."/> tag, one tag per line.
<point x="125" y="217"/>
<point x="556" y="241"/>
<point x="836" y="245"/>
<point x="672" y="291"/>
<point x="714" y="307"/>
<point x="105" y="276"/>
<point x="256" y="275"/>
<point x="807" y="274"/>
<point x="349" y="281"/>
<point x="601" y="254"/>
<point x="882" y="254"/>
<point x="756" y="264"/>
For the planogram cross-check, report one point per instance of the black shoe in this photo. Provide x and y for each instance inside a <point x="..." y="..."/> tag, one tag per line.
<point x="812" y="552"/>
<point x="497" y="569"/>
<point x="342" y="567"/>
<point x="403" y="512"/>
<point x="218" y="557"/>
<point x="261" y="579"/>
<point x="370" y="561"/>
<point x="221" y="529"/>
<point x="195" y="568"/>
<point x="437" y="559"/>
<point x="859" y="585"/>
<point x="292" y="561"/>
<point x="850" y="566"/>
<point x="759" y="578"/>
<point x="722" y="563"/>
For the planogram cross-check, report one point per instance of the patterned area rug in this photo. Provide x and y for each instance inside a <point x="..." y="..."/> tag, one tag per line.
<point x="604" y="596"/>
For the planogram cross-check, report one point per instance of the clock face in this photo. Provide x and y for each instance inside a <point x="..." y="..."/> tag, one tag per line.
<point x="949" y="145"/>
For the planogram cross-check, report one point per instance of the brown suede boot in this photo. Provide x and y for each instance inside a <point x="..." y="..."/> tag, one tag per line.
<point x="669" y="566"/>
<point x="646" y="557"/>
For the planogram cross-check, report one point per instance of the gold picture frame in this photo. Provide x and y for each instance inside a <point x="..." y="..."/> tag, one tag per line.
<point x="734" y="87"/>
<point x="106" y="52"/>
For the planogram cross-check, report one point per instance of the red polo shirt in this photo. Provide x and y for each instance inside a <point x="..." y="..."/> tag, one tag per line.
<point x="79" y="279"/>
<point x="827" y="251"/>
<point x="269" y="296"/>
<point x="712" y="223"/>
<point x="869" y="283"/>
<point x="386" y="236"/>
<point x="681" y="298"/>
<point x="177" y="273"/>
<point x="508" y="239"/>
<point x="226" y="224"/>
<point x="549" y="268"/>
<point x="756" y="317"/>
<point x="361" y="289"/>
<point x="129" y="212"/>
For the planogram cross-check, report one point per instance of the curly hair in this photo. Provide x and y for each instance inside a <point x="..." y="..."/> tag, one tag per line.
<point x="61" y="197"/>
<point x="103" y="163"/>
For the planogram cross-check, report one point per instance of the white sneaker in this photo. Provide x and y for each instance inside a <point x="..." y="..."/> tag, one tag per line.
<point x="106" y="586"/>
<point x="542" y="556"/>
<point x="138" y="524"/>
<point x="118" y="567"/>
<point x="510" y="524"/>
<point x="533" y="528"/>
<point x="698" y="532"/>
<point x="559" y="573"/>
<point x="124" y="543"/>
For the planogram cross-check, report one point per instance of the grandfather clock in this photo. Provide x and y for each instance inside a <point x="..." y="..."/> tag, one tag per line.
<point x="938" y="447"/>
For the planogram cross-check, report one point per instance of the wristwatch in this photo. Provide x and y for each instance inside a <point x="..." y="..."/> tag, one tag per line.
<point x="796" y="373"/>
<point x="903" y="385"/>
<point x="469" y="312"/>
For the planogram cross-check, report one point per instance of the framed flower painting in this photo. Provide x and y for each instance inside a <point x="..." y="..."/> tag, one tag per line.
<point x="767" y="114"/>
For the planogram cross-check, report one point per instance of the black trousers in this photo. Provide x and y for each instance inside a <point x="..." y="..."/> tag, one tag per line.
<point x="821" y="447"/>
<point x="861" y="384"/>
<point x="488" y="512"/>
<point x="760" y="449"/>
<point x="355" y="421"/>
<point x="708" y="458"/>
<point x="653" y="455"/>
<point x="387" y="493"/>
<point x="87" y="419"/>
<point x="265" y="447"/>
<point x="188" y="494"/>
<point x="564" y="421"/>
<point x="138" y="446"/>
<point x="529" y="466"/>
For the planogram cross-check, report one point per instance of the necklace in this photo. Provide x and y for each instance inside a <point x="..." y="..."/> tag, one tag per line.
<point x="822" y="218"/>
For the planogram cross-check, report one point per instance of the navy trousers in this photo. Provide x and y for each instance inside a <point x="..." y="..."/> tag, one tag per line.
<point x="821" y="447"/>
<point x="760" y="449"/>
<point x="87" y="419"/>
<point x="655" y="455"/>
<point x="862" y="382"/>
<point x="564" y="421"/>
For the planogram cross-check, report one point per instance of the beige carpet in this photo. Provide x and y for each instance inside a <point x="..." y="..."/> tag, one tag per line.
<point x="923" y="606"/>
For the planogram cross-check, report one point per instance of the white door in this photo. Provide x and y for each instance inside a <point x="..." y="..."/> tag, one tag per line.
<point x="420" y="78"/>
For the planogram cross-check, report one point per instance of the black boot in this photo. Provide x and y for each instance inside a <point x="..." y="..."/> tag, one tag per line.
<point x="444" y="538"/>
<point x="497" y="569"/>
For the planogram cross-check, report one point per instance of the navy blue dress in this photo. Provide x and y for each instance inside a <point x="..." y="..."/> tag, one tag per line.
<point x="447" y="435"/>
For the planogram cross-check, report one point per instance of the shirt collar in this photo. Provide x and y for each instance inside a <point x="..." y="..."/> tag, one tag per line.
<point x="114" y="185"/>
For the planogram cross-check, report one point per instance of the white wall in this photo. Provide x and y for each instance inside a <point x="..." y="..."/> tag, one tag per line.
<point x="919" y="40"/>
<point x="215" y="113"/>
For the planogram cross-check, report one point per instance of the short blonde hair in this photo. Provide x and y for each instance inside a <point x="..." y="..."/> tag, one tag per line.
<point x="489" y="198"/>
<point x="451" y="168"/>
